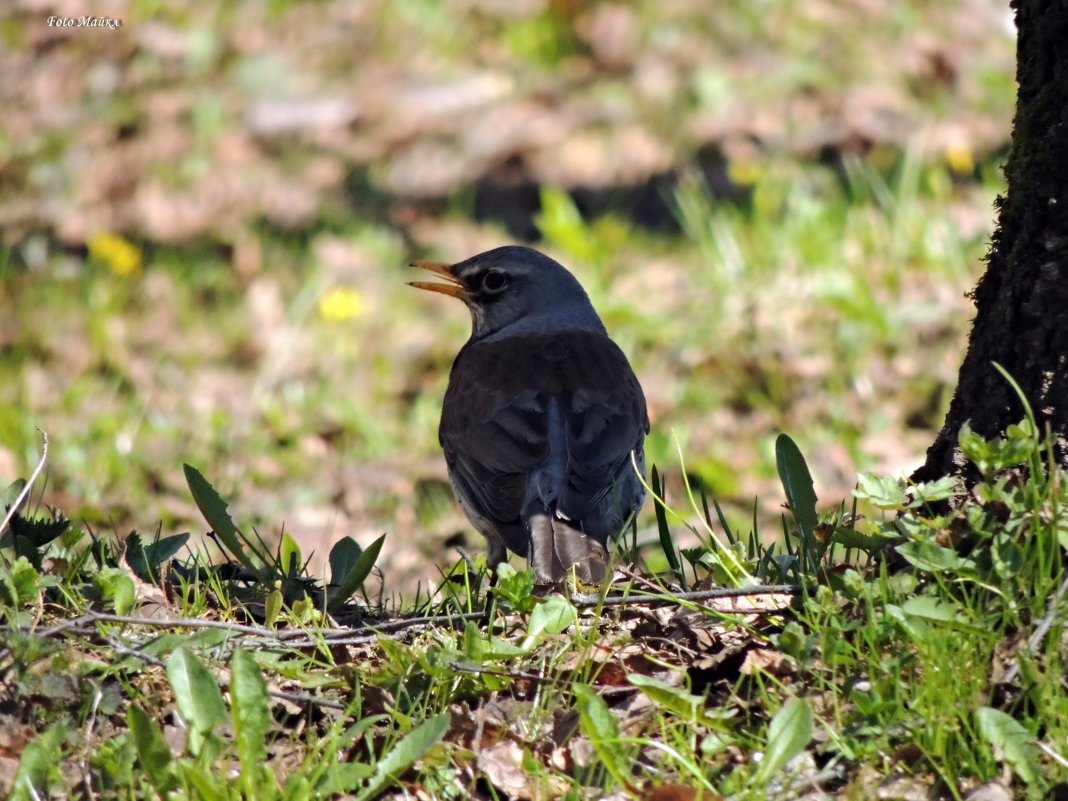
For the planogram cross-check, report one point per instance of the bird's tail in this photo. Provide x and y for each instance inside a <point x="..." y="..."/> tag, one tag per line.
<point x="556" y="545"/>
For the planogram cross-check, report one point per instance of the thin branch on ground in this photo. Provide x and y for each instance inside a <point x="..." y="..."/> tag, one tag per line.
<point x="29" y="483"/>
<point x="224" y="684"/>
<point x="1040" y="632"/>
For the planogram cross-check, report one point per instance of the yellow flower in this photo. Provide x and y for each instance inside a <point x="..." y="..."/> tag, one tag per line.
<point x="960" y="159"/>
<point x="116" y="253"/>
<point x="744" y="173"/>
<point x="341" y="303"/>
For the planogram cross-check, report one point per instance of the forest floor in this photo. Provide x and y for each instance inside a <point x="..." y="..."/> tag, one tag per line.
<point x="778" y="211"/>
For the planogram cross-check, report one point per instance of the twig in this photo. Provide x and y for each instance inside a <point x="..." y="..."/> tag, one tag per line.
<point x="1040" y="632"/>
<point x="361" y="635"/>
<point x="523" y="674"/>
<point x="696" y="595"/>
<point x="29" y="483"/>
<point x="224" y="684"/>
<point x="1048" y="751"/>
<point x="292" y="638"/>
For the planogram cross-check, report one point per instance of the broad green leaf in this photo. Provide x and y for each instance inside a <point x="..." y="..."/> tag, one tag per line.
<point x="342" y="558"/>
<point x="359" y="571"/>
<point x="144" y="559"/>
<point x="125" y="594"/>
<point x="677" y="700"/>
<point x="1015" y="743"/>
<point x="164" y="644"/>
<point x="945" y="487"/>
<point x="251" y="715"/>
<point x="115" y="585"/>
<point x="928" y="556"/>
<point x="213" y="507"/>
<point x="20" y="584"/>
<point x="883" y="492"/>
<point x="163" y="549"/>
<point x="552" y="616"/>
<point x="290" y="557"/>
<point x="406" y="751"/>
<point x="931" y="608"/>
<point x="597" y="722"/>
<point x="473" y="643"/>
<point x="797" y="482"/>
<point x="515" y="587"/>
<point x="38" y="760"/>
<point x="152" y="750"/>
<point x="941" y="610"/>
<point x="272" y="607"/>
<point x="1007" y="556"/>
<point x="501" y="648"/>
<point x="137" y="559"/>
<point x="851" y="538"/>
<point x="11" y="494"/>
<point x="788" y="733"/>
<point x="196" y="695"/>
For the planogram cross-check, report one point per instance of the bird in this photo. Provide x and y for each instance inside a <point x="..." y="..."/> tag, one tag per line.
<point x="543" y="422"/>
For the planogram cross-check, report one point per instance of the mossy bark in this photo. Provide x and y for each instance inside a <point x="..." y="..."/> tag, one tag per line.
<point x="1022" y="301"/>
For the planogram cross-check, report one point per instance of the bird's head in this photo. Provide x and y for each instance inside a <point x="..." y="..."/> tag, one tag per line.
<point x="514" y="289"/>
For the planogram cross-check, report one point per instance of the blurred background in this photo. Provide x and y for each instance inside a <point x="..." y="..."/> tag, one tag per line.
<point x="206" y="211"/>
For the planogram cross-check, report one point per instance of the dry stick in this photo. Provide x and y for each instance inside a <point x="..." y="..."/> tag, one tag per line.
<point x="288" y="637"/>
<point x="698" y="595"/>
<point x="296" y="698"/>
<point x="349" y="636"/>
<point x="1039" y="633"/>
<point x="36" y="472"/>
<point x="282" y="636"/>
<point x="355" y="636"/>
<point x="614" y="690"/>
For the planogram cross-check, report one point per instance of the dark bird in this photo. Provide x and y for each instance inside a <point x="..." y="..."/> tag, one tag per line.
<point x="541" y="416"/>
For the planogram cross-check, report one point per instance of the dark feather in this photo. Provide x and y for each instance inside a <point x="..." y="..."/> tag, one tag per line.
<point x="543" y="424"/>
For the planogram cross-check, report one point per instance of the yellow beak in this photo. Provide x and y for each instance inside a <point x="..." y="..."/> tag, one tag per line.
<point x="454" y="288"/>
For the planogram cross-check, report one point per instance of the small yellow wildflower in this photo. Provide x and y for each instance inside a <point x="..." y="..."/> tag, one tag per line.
<point x="960" y="159"/>
<point x="116" y="253"/>
<point x="744" y="173"/>
<point x="341" y="303"/>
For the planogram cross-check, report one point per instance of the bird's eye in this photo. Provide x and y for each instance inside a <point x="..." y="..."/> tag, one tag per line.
<point x="494" y="281"/>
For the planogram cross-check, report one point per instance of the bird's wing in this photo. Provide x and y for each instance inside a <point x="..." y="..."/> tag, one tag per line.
<point x="499" y="407"/>
<point x="606" y="419"/>
<point x="492" y="431"/>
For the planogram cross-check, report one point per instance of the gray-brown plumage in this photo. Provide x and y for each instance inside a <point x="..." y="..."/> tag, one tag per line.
<point x="541" y="415"/>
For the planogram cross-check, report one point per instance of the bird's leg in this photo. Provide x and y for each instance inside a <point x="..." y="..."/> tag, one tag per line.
<point x="543" y="558"/>
<point x="496" y="553"/>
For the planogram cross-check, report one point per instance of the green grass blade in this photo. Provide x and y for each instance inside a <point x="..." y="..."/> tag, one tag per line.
<point x="662" y="529"/>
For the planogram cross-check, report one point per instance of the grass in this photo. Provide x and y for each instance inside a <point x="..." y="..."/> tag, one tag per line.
<point x="237" y="684"/>
<point x="287" y="360"/>
<point x="830" y="308"/>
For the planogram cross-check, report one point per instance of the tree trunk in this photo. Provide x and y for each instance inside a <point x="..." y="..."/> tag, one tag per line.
<point x="1022" y="301"/>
